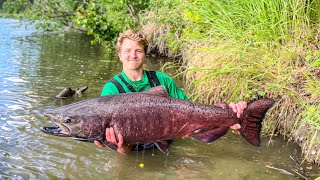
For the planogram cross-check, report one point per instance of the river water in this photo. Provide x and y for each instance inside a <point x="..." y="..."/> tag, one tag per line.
<point x="35" y="67"/>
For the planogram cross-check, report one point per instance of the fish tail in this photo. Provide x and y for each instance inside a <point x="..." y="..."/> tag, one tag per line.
<point x="251" y="120"/>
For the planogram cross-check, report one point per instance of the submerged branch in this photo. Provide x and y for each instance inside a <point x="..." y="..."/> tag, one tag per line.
<point x="307" y="177"/>
<point x="281" y="170"/>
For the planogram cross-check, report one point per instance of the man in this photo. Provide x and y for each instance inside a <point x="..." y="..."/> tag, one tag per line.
<point x="131" y="47"/>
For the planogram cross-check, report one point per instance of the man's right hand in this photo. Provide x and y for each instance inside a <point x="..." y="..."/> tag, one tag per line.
<point x="111" y="137"/>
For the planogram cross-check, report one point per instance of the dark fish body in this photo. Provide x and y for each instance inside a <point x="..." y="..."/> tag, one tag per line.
<point x="152" y="116"/>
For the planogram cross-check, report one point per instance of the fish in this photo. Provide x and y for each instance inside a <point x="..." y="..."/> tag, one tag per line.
<point x="154" y="117"/>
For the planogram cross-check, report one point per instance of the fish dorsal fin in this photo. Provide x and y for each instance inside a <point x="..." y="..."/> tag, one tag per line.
<point x="158" y="90"/>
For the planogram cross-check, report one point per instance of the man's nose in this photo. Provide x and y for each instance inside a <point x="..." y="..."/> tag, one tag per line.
<point x="133" y="54"/>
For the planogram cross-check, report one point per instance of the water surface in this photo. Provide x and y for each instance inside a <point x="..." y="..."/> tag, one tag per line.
<point x="35" y="67"/>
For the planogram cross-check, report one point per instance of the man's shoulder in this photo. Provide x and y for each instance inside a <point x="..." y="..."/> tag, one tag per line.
<point x="109" y="88"/>
<point x="114" y="77"/>
<point x="110" y="83"/>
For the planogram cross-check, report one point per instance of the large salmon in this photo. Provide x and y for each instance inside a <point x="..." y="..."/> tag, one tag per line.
<point x="152" y="116"/>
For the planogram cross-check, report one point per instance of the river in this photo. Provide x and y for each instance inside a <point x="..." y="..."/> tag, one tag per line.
<point x="36" y="66"/>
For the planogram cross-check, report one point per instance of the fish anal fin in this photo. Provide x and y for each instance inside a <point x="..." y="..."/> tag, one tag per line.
<point x="211" y="134"/>
<point x="158" y="90"/>
<point x="163" y="146"/>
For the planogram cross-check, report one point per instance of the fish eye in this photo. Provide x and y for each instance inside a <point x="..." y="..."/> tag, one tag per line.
<point x="67" y="120"/>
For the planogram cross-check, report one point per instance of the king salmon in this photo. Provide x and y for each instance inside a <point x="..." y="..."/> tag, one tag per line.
<point x="153" y="117"/>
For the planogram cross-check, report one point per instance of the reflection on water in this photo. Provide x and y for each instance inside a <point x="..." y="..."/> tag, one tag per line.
<point x="36" y="67"/>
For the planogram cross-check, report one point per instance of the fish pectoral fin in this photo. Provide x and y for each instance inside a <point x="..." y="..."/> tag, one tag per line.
<point x="109" y="145"/>
<point x="163" y="146"/>
<point x="211" y="134"/>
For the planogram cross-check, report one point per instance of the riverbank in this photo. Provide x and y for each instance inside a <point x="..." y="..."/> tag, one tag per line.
<point x="244" y="50"/>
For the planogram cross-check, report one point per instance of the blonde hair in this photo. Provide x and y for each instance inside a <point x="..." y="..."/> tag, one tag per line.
<point x="132" y="35"/>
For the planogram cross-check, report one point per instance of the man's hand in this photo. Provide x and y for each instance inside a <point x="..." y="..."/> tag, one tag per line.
<point x="111" y="137"/>
<point x="238" y="109"/>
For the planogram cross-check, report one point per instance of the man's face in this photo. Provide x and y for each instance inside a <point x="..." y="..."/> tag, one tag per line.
<point x="131" y="54"/>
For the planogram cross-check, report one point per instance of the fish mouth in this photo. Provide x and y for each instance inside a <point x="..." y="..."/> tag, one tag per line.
<point x="58" y="130"/>
<point x="54" y="130"/>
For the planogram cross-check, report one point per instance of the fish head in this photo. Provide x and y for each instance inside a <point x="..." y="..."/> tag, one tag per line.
<point x="71" y="123"/>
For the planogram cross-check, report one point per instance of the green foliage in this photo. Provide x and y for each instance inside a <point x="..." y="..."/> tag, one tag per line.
<point x="16" y="6"/>
<point x="313" y="58"/>
<point x="270" y="21"/>
<point x="51" y="15"/>
<point x="168" y="16"/>
<point x="104" y="19"/>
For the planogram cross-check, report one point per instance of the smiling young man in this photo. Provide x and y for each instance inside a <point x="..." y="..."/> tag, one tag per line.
<point x="131" y="47"/>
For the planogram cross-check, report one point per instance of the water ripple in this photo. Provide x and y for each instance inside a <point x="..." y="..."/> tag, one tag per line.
<point x="15" y="79"/>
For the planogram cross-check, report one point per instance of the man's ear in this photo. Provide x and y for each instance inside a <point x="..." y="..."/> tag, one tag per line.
<point x="119" y="55"/>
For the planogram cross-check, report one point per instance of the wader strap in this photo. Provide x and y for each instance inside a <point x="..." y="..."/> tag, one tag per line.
<point x="153" y="79"/>
<point x="127" y="84"/>
<point x="118" y="85"/>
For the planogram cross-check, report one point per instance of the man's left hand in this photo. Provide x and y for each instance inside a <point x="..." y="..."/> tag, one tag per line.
<point x="238" y="109"/>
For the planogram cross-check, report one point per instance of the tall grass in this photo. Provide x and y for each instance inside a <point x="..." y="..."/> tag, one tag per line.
<point x="259" y="21"/>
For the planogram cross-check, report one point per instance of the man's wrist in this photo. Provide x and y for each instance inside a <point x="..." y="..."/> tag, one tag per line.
<point x="125" y="149"/>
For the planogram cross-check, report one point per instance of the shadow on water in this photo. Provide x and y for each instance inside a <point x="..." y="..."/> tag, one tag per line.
<point x="35" y="67"/>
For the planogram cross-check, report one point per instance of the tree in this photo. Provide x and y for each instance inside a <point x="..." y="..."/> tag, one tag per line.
<point x="103" y="19"/>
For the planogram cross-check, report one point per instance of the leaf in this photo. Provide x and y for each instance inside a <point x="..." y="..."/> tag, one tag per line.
<point x="308" y="58"/>
<point x="261" y="93"/>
